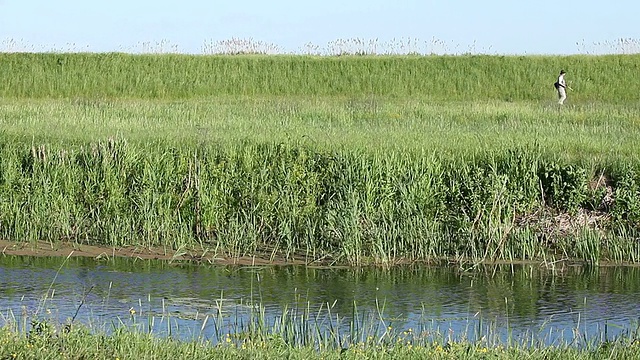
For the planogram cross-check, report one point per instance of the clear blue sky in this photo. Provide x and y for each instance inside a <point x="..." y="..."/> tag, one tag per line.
<point x="495" y="26"/>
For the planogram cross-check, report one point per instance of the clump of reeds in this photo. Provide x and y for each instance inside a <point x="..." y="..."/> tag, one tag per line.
<point x="305" y="203"/>
<point x="240" y="46"/>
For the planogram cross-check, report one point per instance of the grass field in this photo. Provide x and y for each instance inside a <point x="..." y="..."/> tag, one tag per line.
<point x="599" y="132"/>
<point x="353" y="159"/>
<point x="431" y="78"/>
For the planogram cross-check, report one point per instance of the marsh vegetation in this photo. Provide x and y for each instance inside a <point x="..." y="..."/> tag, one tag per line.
<point x="348" y="160"/>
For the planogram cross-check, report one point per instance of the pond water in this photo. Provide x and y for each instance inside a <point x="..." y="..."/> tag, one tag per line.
<point x="206" y="302"/>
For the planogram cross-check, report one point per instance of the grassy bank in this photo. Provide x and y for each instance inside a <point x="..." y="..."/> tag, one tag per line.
<point x="80" y="344"/>
<point x="298" y="201"/>
<point x="303" y="333"/>
<point x="347" y="159"/>
<point x="447" y="78"/>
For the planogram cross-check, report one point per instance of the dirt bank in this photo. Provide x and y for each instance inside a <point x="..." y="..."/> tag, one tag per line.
<point x="103" y="252"/>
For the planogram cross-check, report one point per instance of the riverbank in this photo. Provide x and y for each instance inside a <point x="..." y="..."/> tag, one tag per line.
<point x="300" y="203"/>
<point x="187" y="255"/>
<point x="194" y="256"/>
<point x="341" y="171"/>
<point x="43" y="341"/>
<point x="127" y="307"/>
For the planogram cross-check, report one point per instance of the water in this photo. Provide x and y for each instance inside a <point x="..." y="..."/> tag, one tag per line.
<point x="206" y="302"/>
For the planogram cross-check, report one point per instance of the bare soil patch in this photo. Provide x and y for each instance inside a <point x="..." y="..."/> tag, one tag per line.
<point x="63" y="249"/>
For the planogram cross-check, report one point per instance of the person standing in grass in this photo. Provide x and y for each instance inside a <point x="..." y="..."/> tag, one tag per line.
<point x="561" y="86"/>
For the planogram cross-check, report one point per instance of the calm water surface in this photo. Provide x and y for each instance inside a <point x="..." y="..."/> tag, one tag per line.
<point x="504" y="301"/>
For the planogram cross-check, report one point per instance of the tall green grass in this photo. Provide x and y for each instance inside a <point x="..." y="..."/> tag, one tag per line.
<point x="353" y="159"/>
<point x="598" y="133"/>
<point x="611" y="78"/>
<point x="307" y="203"/>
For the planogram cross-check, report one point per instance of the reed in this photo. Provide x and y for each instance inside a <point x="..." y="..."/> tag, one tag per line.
<point x="301" y="202"/>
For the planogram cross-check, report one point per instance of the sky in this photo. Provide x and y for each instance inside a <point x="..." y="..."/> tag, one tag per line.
<point x="438" y="26"/>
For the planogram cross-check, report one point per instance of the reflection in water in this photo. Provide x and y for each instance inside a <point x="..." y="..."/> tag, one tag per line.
<point x="523" y="299"/>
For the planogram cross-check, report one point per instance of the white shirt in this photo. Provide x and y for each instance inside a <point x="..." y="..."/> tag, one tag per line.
<point x="561" y="81"/>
